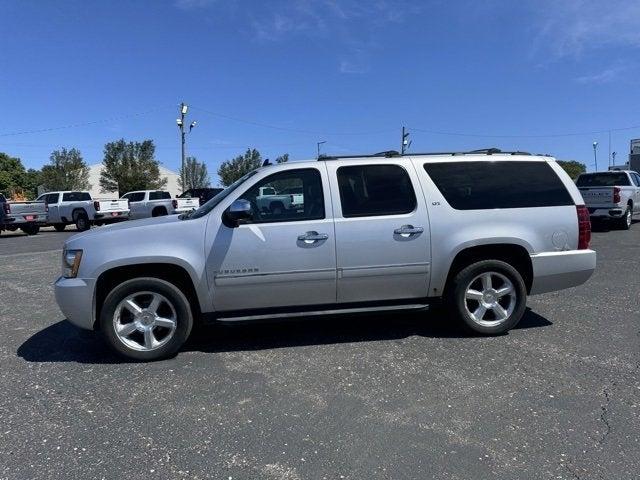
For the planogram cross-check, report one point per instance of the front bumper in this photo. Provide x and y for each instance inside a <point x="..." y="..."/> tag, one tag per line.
<point x="75" y="297"/>
<point x="558" y="270"/>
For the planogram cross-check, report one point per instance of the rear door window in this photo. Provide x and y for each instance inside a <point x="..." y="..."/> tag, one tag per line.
<point x="375" y="190"/>
<point x="52" y="198"/>
<point x="159" y="196"/>
<point x="473" y="185"/>
<point x="75" y="196"/>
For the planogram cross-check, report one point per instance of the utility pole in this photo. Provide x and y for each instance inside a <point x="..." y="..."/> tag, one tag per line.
<point x="318" y="145"/>
<point x="405" y="144"/>
<point x="609" y="147"/>
<point x="180" y="121"/>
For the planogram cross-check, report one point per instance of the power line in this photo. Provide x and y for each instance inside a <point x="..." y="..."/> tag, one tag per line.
<point x="82" y="124"/>
<point x="287" y="129"/>
<point x="552" y="135"/>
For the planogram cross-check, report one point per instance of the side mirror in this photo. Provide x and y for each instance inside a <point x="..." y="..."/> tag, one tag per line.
<point x="239" y="210"/>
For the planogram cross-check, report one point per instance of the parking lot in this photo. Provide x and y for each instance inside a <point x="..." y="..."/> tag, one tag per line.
<point x="391" y="397"/>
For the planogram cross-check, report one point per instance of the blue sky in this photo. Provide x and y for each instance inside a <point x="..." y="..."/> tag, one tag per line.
<point x="281" y="75"/>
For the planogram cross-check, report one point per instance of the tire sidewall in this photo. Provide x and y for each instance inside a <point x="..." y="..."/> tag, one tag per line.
<point x="148" y="284"/>
<point x="82" y="222"/>
<point x="466" y="275"/>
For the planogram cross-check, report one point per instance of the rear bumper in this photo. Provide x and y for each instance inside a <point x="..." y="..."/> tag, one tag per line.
<point x="611" y="212"/>
<point x="75" y="299"/>
<point x="558" y="270"/>
<point x="17" y="220"/>
<point x="107" y="217"/>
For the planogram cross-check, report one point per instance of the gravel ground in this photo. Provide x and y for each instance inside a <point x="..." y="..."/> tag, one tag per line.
<point x="369" y="397"/>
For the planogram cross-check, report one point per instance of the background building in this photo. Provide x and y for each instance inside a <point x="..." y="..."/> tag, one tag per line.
<point x="94" y="180"/>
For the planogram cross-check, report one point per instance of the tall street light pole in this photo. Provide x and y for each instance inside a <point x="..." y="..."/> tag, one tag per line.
<point x="595" y="154"/>
<point x="184" y="108"/>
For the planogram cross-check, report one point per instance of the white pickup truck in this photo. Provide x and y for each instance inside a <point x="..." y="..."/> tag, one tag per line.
<point x="66" y="208"/>
<point x="269" y="200"/>
<point x="613" y="195"/>
<point x="157" y="203"/>
<point x="26" y="216"/>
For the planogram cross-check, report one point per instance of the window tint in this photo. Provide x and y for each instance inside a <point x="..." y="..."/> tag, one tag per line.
<point x="636" y="179"/>
<point x="374" y="190"/>
<point x="271" y="204"/>
<point x="134" y="196"/>
<point x="52" y="198"/>
<point x="2" y="199"/>
<point x="75" y="196"/>
<point x="503" y="184"/>
<point x="603" y="179"/>
<point x="159" y="195"/>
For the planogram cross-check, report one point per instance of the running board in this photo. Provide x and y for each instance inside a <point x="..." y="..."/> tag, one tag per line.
<point x="316" y="313"/>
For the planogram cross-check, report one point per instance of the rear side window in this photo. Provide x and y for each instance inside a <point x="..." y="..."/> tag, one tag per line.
<point x="374" y="190"/>
<point x="52" y="198"/>
<point x="503" y="184"/>
<point x="159" y="196"/>
<point x="603" y="179"/>
<point x="75" y="196"/>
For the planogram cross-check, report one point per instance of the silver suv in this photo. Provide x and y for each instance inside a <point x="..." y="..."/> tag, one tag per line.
<point x="480" y="230"/>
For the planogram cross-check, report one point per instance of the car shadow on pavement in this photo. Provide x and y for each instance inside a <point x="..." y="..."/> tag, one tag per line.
<point x="63" y="342"/>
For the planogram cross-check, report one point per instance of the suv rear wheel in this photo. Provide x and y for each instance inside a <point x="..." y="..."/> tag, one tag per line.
<point x="146" y="319"/>
<point x="489" y="297"/>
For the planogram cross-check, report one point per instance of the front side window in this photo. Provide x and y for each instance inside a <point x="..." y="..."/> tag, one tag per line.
<point x="134" y="196"/>
<point x="270" y="201"/>
<point x="374" y="190"/>
<point x="636" y="179"/>
<point x="473" y="185"/>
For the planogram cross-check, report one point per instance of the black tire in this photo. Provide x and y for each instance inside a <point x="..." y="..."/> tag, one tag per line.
<point x="624" y="223"/>
<point x="81" y="219"/>
<point x="159" y="212"/>
<point x="30" y="229"/>
<point x="276" y="208"/>
<point x="59" y="227"/>
<point x="513" y="305"/>
<point x="184" y="317"/>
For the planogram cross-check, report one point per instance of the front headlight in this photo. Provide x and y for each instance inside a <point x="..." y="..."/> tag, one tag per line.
<point x="71" y="263"/>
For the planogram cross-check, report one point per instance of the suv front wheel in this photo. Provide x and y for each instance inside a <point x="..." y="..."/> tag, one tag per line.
<point x="489" y="297"/>
<point x="146" y="319"/>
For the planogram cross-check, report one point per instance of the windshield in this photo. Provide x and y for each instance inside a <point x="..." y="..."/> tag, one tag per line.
<point x="603" y="179"/>
<point x="211" y="204"/>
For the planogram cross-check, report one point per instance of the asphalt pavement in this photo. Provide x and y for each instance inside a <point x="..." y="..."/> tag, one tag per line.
<point x="369" y="397"/>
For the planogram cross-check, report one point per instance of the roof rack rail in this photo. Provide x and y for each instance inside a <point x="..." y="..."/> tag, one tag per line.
<point x="394" y="153"/>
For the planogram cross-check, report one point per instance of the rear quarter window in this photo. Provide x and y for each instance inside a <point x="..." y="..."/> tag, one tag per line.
<point x="159" y="196"/>
<point x="471" y="185"/>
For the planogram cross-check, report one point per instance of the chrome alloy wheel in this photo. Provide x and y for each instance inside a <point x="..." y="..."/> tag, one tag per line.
<point x="628" y="217"/>
<point x="490" y="298"/>
<point x="145" y="321"/>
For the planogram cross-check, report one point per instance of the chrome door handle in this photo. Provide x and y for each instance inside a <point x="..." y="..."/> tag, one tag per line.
<point x="312" y="237"/>
<point x="408" y="230"/>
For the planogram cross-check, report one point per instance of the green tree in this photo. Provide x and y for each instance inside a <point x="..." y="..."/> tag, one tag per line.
<point x="572" y="167"/>
<point x="66" y="171"/>
<point x="32" y="181"/>
<point x="195" y="175"/>
<point x="282" y="158"/>
<point x="130" y="166"/>
<point x="231" y="170"/>
<point x="13" y="175"/>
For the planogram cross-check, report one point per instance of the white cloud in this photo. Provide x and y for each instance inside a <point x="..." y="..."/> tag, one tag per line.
<point x="610" y="74"/>
<point x="571" y="28"/>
